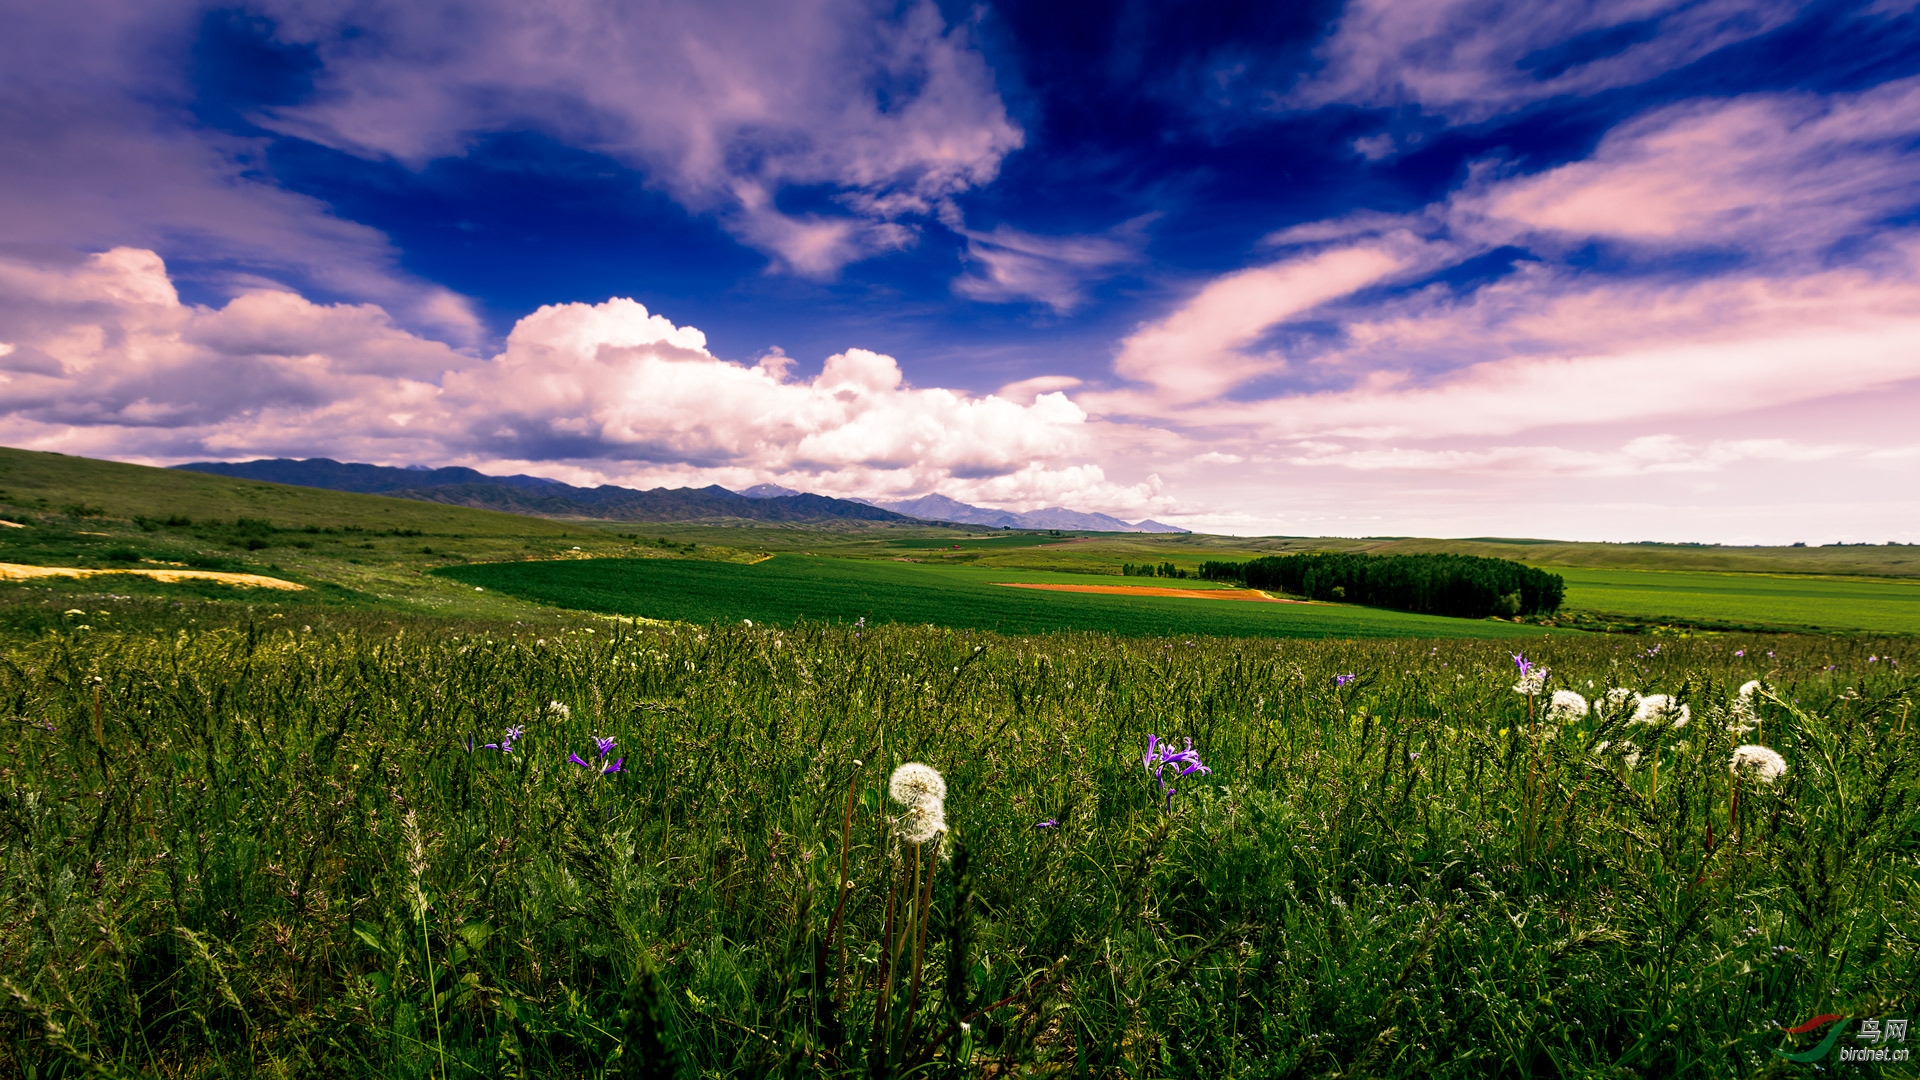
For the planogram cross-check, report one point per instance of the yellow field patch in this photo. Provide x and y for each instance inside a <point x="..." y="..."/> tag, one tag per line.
<point x="20" y="572"/>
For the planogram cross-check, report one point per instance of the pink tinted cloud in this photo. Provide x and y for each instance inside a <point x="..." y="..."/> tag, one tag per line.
<point x="1766" y="172"/>
<point x="1201" y="350"/>
<point x="721" y="104"/>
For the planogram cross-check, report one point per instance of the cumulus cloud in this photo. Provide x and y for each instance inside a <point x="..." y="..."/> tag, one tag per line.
<point x="1471" y="59"/>
<point x="101" y="356"/>
<point x="722" y="105"/>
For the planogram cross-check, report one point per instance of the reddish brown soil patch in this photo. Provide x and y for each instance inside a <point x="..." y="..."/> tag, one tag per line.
<point x="1155" y="590"/>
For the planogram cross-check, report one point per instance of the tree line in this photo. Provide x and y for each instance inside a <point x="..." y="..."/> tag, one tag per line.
<point x="1464" y="586"/>
<point x="1165" y="569"/>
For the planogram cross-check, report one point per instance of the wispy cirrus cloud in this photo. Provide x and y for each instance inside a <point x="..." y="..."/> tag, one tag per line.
<point x="1012" y="264"/>
<point x="1471" y="59"/>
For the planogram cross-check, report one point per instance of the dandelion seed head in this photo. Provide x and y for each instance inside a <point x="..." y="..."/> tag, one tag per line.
<point x="914" y="784"/>
<point x="1566" y="707"/>
<point x="1758" y="763"/>
<point x="560" y="710"/>
<point x="922" y="822"/>
<point x="1749" y="688"/>
<point x="1661" y="710"/>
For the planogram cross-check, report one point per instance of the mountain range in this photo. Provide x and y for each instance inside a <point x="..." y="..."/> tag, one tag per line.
<point x="541" y="497"/>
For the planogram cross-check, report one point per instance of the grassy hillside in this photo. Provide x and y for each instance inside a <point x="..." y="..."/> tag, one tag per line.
<point x="789" y="588"/>
<point x="355" y="550"/>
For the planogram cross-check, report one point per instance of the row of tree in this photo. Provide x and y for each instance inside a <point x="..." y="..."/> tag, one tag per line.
<point x="1165" y="569"/>
<point x="1465" y="586"/>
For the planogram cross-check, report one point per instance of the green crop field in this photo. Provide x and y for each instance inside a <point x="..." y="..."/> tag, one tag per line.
<point x="789" y="588"/>
<point x="1884" y="605"/>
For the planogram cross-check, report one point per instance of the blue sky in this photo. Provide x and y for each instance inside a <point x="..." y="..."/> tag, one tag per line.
<point x="1623" y="271"/>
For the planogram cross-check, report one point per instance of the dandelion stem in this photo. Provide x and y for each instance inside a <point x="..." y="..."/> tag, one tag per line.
<point x="920" y="939"/>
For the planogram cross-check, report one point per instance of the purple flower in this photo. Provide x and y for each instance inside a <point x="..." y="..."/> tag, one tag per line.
<point x="1520" y="661"/>
<point x="1739" y="652"/>
<point x="1186" y="761"/>
<point x="505" y="745"/>
<point x="605" y="746"/>
<point x="1342" y="680"/>
<point x="1050" y="823"/>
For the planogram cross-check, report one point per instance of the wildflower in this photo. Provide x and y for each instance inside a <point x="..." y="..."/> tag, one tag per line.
<point x="1757" y="763"/>
<point x="1187" y="761"/>
<point x="922" y="790"/>
<point x="1533" y="679"/>
<point x="605" y="747"/>
<point x="557" y="709"/>
<point x="1520" y="661"/>
<point x="1739" y="652"/>
<point x="1050" y="823"/>
<point x="505" y="745"/>
<point x="1660" y="709"/>
<point x="1566" y="707"/>
<point x="1338" y="682"/>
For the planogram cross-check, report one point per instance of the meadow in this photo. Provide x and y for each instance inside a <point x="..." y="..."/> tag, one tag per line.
<point x="253" y="834"/>
<point x="268" y="849"/>
<point x="785" y="589"/>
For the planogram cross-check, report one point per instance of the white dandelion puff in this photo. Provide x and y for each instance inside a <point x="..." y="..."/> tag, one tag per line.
<point x="1660" y="710"/>
<point x="1566" y="707"/>
<point x="560" y="710"/>
<point x="1748" y="689"/>
<point x="914" y="783"/>
<point x="1758" y="763"/>
<point x="921" y="789"/>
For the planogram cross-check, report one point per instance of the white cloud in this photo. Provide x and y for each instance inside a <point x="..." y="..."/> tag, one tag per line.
<point x="721" y="104"/>
<point x="102" y="357"/>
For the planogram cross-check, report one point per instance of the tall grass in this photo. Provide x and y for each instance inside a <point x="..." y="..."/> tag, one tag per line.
<point x="239" y="852"/>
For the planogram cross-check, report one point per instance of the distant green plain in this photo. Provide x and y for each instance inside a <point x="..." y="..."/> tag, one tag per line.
<point x="788" y="588"/>
<point x="1748" y="601"/>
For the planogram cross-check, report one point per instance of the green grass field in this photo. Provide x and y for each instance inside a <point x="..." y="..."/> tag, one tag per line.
<point x="266" y="851"/>
<point x="789" y="588"/>
<point x="1885" y="606"/>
